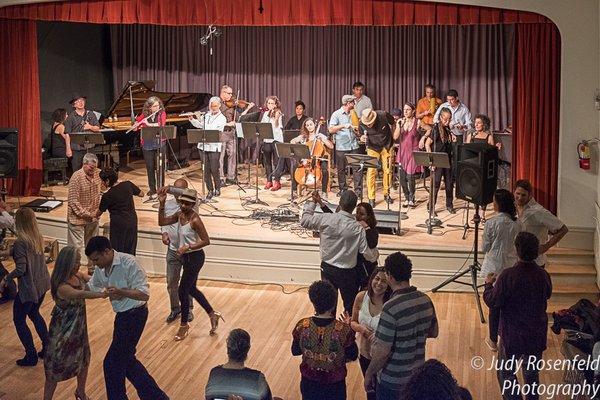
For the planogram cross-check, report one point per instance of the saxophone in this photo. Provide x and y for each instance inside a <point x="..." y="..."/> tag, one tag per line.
<point x="354" y="121"/>
<point x="432" y="105"/>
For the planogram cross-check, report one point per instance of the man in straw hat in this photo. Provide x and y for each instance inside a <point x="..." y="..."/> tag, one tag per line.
<point x="376" y="132"/>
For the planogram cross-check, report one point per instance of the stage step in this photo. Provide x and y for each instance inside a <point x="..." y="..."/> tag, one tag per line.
<point x="572" y="274"/>
<point x="561" y="255"/>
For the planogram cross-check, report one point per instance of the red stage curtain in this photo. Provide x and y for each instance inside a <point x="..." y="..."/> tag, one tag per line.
<point x="536" y="105"/>
<point x="276" y="13"/>
<point x="20" y="100"/>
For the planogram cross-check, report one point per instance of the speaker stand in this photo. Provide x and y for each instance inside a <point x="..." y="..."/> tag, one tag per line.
<point x="466" y="225"/>
<point x="472" y="270"/>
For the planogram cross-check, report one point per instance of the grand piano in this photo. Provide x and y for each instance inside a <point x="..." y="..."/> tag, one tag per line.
<point x="129" y="103"/>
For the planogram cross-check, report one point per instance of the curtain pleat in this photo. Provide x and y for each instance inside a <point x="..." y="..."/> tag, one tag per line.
<point x="20" y="101"/>
<point x="275" y="13"/>
<point x="536" y="109"/>
<point x="319" y="64"/>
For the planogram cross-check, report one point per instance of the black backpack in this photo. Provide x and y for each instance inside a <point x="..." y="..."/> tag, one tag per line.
<point x="10" y="291"/>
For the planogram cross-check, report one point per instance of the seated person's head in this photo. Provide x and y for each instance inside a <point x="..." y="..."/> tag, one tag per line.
<point x="238" y="345"/>
<point x="323" y="296"/>
<point x="528" y="246"/>
<point x="432" y="381"/>
<point x="398" y="267"/>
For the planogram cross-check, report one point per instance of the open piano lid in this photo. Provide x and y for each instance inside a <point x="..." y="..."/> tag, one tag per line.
<point x="175" y="103"/>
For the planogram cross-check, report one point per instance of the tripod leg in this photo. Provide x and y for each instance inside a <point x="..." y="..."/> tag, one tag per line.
<point x="450" y="280"/>
<point x="473" y="271"/>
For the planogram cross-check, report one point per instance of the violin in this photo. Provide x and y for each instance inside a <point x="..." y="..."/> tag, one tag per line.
<point x="309" y="172"/>
<point x="237" y="103"/>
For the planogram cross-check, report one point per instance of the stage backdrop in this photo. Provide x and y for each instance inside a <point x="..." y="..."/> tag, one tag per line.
<point x="537" y="77"/>
<point x="319" y="64"/>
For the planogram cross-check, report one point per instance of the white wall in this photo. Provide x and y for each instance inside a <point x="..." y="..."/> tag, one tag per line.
<point x="578" y="22"/>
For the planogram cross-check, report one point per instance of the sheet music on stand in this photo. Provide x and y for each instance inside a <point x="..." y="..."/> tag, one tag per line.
<point x="87" y="138"/>
<point x="290" y="134"/>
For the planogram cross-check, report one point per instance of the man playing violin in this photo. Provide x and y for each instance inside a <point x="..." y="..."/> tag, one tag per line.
<point x="228" y="108"/>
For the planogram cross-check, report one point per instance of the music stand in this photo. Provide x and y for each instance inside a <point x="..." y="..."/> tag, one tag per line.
<point x="161" y="133"/>
<point x="437" y="160"/>
<point x="203" y="136"/>
<point x="87" y="138"/>
<point x="361" y="161"/>
<point x="248" y="132"/>
<point x="262" y="130"/>
<point x="290" y="151"/>
<point x="401" y="215"/>
<point x="290" y="134"/>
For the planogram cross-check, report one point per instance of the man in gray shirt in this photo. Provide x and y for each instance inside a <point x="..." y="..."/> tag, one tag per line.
<point x="361" y="100"/>
<point x="342" y="239"/>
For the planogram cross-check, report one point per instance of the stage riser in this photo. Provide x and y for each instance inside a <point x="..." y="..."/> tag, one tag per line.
<point x="298" y="263"/>
<point x="254" y="261"/>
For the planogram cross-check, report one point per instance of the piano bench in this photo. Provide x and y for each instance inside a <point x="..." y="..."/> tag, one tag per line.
<point x="55" y="165"/>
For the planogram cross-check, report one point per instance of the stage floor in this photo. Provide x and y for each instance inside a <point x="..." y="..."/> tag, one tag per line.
<point x="227" y="217"/>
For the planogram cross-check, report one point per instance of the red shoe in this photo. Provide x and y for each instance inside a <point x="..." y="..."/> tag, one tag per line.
<point x="276" y="186"/>
<point x="269" y="185"/>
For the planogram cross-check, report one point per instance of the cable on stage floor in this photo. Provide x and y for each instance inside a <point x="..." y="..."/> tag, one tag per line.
<point x="279" y="285"/>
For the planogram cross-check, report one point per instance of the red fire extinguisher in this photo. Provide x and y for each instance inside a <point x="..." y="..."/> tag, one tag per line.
<point x="583" y="150"/>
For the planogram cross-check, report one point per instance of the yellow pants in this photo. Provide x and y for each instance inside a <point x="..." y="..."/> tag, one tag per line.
<point x="384" y="158"/>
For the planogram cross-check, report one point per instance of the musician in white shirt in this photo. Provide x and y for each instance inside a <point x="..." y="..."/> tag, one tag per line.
<point x="461" y="121"/>
<point x="213" y="120"/>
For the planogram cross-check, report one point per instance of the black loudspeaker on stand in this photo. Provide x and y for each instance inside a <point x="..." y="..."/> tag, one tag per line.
<point x="477" y="178"/>
<point x="9" y="153"/>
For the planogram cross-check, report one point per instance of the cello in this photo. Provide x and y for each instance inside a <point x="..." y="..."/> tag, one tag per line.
<point x="309" y="172"/>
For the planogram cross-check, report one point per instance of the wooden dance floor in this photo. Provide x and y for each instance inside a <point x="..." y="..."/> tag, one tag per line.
<point x="182" y="368"/>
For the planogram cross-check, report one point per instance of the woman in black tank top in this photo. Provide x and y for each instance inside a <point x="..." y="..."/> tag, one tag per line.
<point x="482" y="133"/>
<point x="60" y="143"/>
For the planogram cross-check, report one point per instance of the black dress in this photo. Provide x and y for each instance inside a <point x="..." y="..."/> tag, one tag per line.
<point x="118" y="200"/>
<point x="58" y="148"/>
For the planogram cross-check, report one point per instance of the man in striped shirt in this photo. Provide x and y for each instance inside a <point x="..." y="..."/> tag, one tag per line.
<point x="407" y="320"/>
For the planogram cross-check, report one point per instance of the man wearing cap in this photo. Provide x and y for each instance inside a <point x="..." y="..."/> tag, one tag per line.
<point x="376" y="132"/>
<point x="81" y="120"/>
<point x="346" y="142"/>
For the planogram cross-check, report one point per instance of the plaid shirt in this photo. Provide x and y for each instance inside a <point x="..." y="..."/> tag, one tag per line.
<point x="84" y="197"/>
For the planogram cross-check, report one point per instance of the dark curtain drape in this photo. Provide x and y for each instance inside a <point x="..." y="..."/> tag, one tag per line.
<point x="20" y="100"/>
<point x="275" y="13"/>
<point x="536" y="109"/>
<point x="319" y="64"/>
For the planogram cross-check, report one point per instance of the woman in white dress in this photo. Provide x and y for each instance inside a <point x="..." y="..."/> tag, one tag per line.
<point x="365" y="316"/>
<point x="499" y="236"/>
